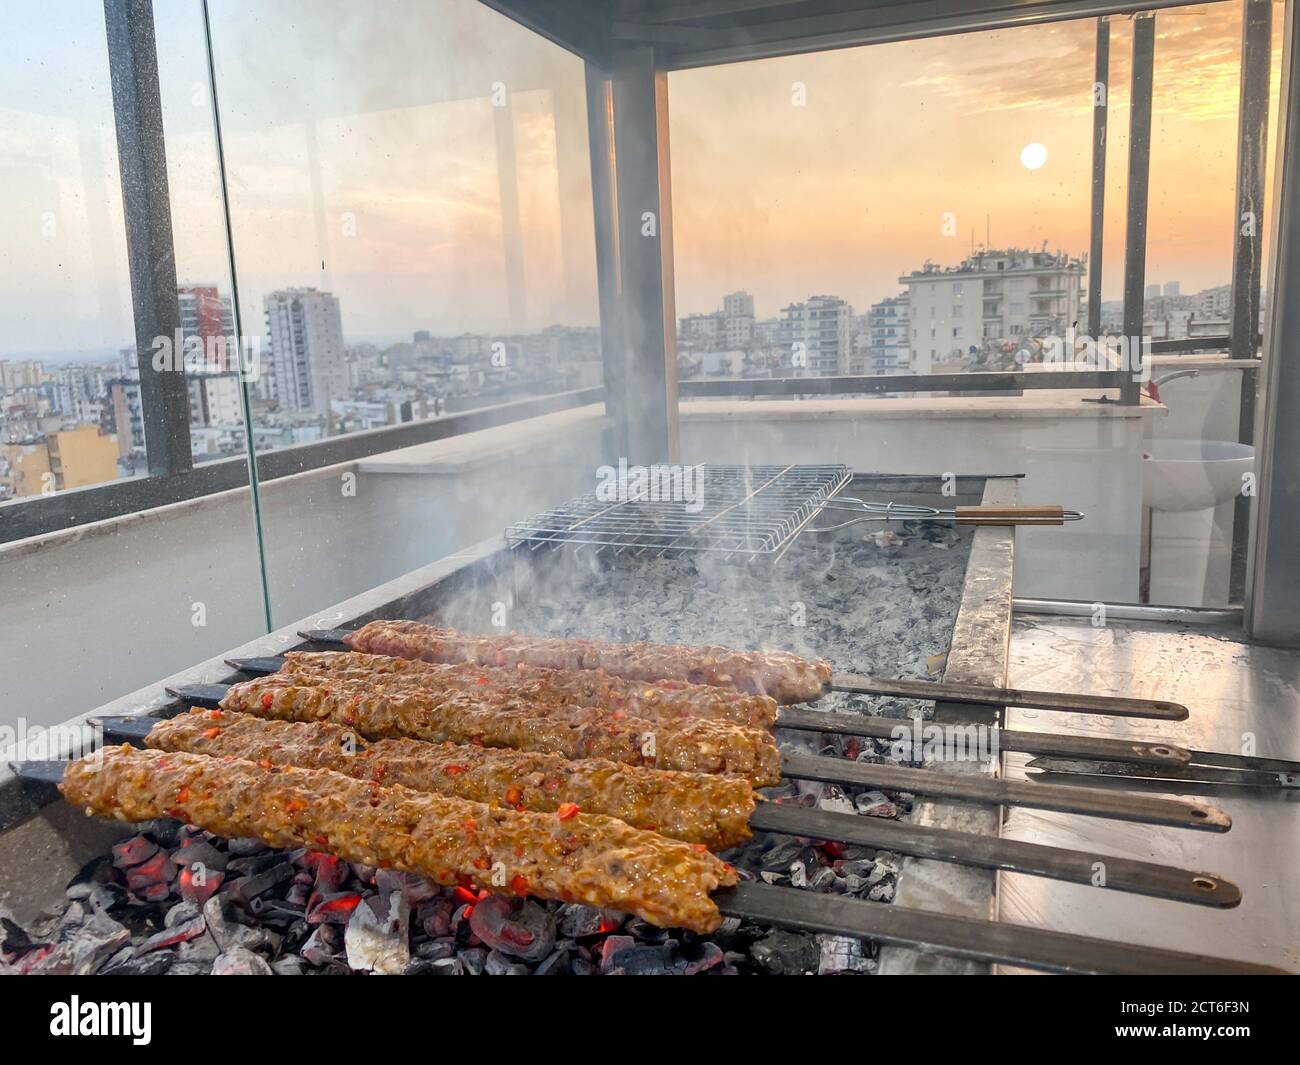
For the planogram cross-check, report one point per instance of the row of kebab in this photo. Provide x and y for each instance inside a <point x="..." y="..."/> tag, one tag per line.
<point x="582" y="771"/>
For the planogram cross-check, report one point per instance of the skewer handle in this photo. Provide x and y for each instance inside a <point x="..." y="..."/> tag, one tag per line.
<point x="1010" y="515"/>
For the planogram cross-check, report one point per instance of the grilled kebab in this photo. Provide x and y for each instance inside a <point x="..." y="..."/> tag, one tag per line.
<point x="564" y="855"/>
<point x="785" y="677"/>
<point x="693" y="807"/>
<point x="493" y="718"/>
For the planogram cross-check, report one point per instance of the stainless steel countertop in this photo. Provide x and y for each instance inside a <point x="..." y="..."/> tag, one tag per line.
<point x="1232" y="689"/>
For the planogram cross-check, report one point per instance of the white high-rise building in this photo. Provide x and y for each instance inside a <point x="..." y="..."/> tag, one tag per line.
<point x="991" y="296"/>
<point x="890" y="336"/>
<point x="738" y="319"/>
<point x="304" y="332"/>
<point x="818" y="335"/>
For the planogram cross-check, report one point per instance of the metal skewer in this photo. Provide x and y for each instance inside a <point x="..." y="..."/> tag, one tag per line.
<point x="1118" y="806"/>
<point x="988" y="852"/>
<point x="899" y="729"/>
<point x="990" y="941"/>
<point x="1020" y="514"/>
<point x="1111" y="706"/>
<point x="965" y="937"/>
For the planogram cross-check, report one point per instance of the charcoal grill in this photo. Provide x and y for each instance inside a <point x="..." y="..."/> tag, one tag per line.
<point x="923" y="929"/>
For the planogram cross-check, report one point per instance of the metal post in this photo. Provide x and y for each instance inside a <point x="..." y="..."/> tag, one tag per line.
<point x="1273" y="578"/>
<point x="1139" y="172"/>
<point x="1100" y="113"/>
<point x="1248" y="241"/>
<point x="151" y="258"/>
<point x="628" y="124"/>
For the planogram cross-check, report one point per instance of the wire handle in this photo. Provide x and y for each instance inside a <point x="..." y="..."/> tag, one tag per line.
<point x="1023" y="514"/>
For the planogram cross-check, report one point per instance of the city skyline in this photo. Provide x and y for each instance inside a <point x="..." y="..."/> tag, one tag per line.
<point x="826" y="197"/>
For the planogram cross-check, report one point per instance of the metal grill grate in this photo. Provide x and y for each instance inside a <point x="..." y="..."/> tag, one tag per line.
<point x="748" y="511"/>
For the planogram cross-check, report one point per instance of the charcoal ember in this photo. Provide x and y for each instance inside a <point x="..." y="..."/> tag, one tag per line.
<point x="435" y="967"/>
<point x="623" y="955"/>
<point x="247" y="888"/>
<point x="882" y="892"/>
<point x="835" y="802"/>
<point x="823" y="879"/>
<point x="180" y="913"/>
<point x="299" y="893"/>
<point x="364" y="873"/>
<point x="415" y="889"/>
<point x="229" y="933"/>
<point x="240" y="962"/>
<point x="106" y="898"/>
<point x="49" y="959"/>
<point x="134" y="851"/>
<point x="841" y="954"/>
<point x="324" y="945"/>
<point x="499" y="964"/>
<point x="378" y="935"/>
<point x="435" y="949"/>
<point x="287" y="965"/>
<point x="582" y="967"/>
<point x="159" y="963"/>
<point x="473" y="960"/>
<point x="434" y="916"/>
<point x="70" y="920"/>
<point x="460" y="916"/>
<point x="200" y="853"/>
<point x="147" y="878"/>
<point x="97" y="940"/>
<point x="876" y="804"/>
<point x="190" y="968"/>
<point x="770" y="877"/>
<point x="198" y="884"/>
<point x="328" y="871"/>
<point x="97" y="872"/>
<point x="853" y="885"/>
<point x="555" y="964"/>
<point x="517" y="928"/>
<point x="853" y="867"/>
<point x="784" y="953"/>
<point x="645" y="932"/>
<point x="15" y="942"/>
<point x="275" y="912"/>
<point x="175" y="935"/>
<point x="884" y="866"/>
<point x="245" y="846"/>
<point x="334" y="909"/>
<point x="199" y="949"/>
<point x="576" y="920"/>
<point x="780" y="857"/>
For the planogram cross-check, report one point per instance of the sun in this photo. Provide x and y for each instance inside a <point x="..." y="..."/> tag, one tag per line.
<point x="1032" y="156"/>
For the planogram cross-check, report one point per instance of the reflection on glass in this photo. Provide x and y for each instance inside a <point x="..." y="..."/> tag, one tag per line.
<point x="69" y="408"/>
<point x="923" y="206"/>
<point x="410" y="199"/>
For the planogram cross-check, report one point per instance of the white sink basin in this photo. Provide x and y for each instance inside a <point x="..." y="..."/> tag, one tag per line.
<point x="1184" y="475"/>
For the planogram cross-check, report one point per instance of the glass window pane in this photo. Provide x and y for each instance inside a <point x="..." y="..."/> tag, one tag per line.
<point x="413" y="234"/>
<point x="119" y="600"/>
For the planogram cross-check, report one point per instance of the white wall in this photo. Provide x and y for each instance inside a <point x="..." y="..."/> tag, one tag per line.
<point x="1084" y="456"/>
<point x="96" y="612"/>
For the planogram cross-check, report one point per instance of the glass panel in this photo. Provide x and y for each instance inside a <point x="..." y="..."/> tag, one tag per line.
<point x="65" y="298"/>
<point x="411" y="210"/>
<point x="93" y="613"/>
<point x="924" y="207"/>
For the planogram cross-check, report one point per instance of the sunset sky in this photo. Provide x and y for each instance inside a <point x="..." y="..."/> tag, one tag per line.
<point x="362" y="157"/>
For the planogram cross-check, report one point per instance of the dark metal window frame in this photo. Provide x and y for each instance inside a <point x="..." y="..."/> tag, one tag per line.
<point x="637" y="345"/>
<point x="173" y="478"/>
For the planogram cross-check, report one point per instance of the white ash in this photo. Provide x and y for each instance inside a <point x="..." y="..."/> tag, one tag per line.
<point x="867" y="599"/>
